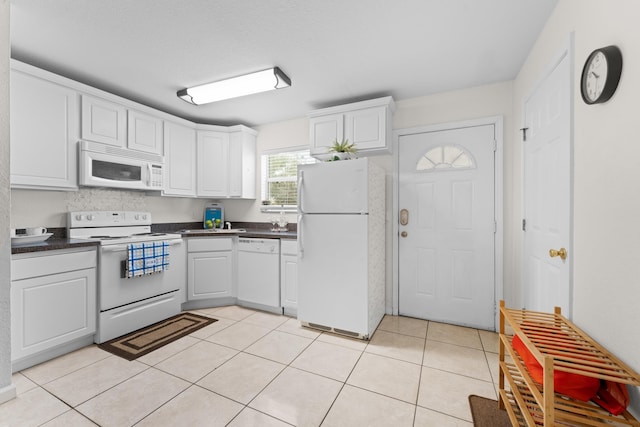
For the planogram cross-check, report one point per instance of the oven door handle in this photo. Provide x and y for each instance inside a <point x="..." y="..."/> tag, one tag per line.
<point x="124" y="247"/>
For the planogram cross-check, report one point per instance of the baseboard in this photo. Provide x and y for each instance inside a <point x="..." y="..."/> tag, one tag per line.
<point x="7" y="393"/>
<point x="208" y="303"/>
<point x="270" y="309"/>
<point x="35" y="359"/>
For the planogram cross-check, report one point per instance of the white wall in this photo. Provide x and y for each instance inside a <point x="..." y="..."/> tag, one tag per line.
<point x="7" y="390"/>
<point x="606" y="285"/>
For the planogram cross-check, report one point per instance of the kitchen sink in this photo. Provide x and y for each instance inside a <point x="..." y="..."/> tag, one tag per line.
<point x="215" y="231"/>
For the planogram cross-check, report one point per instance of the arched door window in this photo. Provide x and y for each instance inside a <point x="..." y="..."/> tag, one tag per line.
<point x="445" y="157"/>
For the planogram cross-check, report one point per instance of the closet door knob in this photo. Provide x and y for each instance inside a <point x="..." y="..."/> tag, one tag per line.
<point x="562" y="253"/>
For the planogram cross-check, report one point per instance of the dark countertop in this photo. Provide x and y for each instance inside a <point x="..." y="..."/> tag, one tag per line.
<point x="52" y="243"/>
<point x="253" y="230"/>
<point x="250" y="233"/>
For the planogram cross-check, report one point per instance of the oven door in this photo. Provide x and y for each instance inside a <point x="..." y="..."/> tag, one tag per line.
<point x="116" y="291"/>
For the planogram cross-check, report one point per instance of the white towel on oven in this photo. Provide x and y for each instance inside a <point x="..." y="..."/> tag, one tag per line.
<point x="147" y="258"/>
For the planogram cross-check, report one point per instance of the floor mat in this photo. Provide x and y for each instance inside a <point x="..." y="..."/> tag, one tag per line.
<point x="485" y="413"/>
<point x="146" y="340"/>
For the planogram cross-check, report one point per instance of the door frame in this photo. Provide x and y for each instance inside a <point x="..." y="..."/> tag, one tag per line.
<point x="567" y="50"/>
<point x="498" y="123"/>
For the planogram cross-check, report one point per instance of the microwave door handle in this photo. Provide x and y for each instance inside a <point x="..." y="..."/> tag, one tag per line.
<point x="149" y="175"/>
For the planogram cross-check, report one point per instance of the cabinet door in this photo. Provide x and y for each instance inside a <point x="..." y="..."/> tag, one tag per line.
<point x="144" y="132"/>
<point x="324" y="130"/>
<point x="242" y="165"/>
<point x="209" y="275"/>
<point x="289" y="282"/>
<point x="104" y="121"/>
<point x="179" y="160"/>
<point x="51" y="310"/>
<point x="44" y="123"/>
<point x="213" y="160"/>
<point x="366" y="128"/>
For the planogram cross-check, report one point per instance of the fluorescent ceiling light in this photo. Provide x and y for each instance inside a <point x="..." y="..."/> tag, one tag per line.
<point x="257" y="82"/>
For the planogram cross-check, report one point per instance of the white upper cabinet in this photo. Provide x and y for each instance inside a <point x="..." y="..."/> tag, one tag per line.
<point x="44" y="133"/>
<point x="145" y="132"/>
<point x="226" y="163"/>
<point x="367" y="124"/>
<point x="104" y="121"/>
<point x="324" y="131"/>
<point x="180" y="160"/>
<point x="50" y="114"/>
<point x="110" y="123"/>
<point x="213" y="160"/>
<point x="242" y="164"/>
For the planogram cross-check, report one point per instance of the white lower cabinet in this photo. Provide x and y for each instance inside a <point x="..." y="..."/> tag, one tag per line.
<point x="209" y="268"/>
<point x="53" y="304"/>
<point x="289" y="277"/>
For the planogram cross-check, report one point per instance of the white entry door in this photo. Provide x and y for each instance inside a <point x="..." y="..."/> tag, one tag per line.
<point x="447" y="226"/>
<point x="547" y="192"/>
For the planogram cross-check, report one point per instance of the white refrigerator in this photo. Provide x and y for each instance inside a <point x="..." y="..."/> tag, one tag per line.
<point x="341" y="246"/>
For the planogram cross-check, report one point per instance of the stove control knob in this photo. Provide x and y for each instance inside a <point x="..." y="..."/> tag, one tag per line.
<point x="144" y="217"/>
<point x="79" y="217"/>
<point x="90" y="217"/>
<point x="136" y="217"/>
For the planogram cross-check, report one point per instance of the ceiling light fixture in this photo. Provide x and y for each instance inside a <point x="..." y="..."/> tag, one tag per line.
<point x="257" y="82"/>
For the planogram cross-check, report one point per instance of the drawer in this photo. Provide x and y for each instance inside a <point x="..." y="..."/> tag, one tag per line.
<point x="288" y="247"/>
<point x="208" y="244"/>
<point x="24" y="266"/>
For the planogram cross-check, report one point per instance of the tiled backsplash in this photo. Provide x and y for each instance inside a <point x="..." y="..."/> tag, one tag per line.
<point x="106" y="199"/>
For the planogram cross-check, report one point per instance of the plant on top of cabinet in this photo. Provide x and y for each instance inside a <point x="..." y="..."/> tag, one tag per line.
<point x="342" y="150"/>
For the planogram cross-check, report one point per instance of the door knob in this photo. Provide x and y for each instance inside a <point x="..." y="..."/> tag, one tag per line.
<point x="403" y="234"/>
<point x="562" y="253"/>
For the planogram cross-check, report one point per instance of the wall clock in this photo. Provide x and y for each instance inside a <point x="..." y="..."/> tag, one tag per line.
<point x="601" y="74"/>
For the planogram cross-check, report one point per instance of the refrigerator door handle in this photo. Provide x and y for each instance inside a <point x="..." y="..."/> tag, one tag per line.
<point x="300" y="243"/>
<point x="300" y="182"/>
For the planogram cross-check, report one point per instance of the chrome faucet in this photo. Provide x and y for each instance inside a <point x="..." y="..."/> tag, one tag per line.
<point x="228" y="225"/>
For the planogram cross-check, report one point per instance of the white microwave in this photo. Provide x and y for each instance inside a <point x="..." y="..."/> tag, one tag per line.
<point x="103" y="165"/>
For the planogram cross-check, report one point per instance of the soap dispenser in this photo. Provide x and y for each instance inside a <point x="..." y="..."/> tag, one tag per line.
<point x="282" y="222"/>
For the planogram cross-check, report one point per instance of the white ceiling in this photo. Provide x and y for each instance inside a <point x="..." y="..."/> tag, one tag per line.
<point x="334" y="51"/>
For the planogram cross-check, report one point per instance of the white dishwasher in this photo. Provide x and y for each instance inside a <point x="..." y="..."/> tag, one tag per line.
<point x="259" y="273"/>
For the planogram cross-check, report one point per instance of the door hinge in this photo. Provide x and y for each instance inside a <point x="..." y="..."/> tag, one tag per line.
<point x="524" y="133"/>
<point x="524" y="224"/>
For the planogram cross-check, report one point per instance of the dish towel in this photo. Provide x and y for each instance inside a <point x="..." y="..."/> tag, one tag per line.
<point x="147" y="258"/>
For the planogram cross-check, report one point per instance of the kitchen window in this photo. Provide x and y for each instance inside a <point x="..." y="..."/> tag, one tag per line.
<point x="280" y="178"/>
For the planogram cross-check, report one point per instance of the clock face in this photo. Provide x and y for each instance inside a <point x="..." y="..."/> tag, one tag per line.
<point x="601" y="75"/>
<point x="596" y="76"/>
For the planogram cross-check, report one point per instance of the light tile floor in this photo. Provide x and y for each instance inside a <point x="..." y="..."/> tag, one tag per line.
<point x="257" y="369"/>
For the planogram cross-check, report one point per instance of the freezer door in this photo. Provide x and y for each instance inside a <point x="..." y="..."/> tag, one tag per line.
<point x="333" y="187"/>
<point x="332" y="271"/>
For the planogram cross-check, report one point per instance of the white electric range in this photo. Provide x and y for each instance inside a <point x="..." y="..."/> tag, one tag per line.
<point x="127" y="304"/>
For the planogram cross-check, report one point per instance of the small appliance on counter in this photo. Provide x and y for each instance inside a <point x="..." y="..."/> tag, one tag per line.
<point x="213" y="216"/>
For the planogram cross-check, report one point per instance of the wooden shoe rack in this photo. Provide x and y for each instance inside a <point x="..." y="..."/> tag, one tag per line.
<point x="531" y="404"/>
